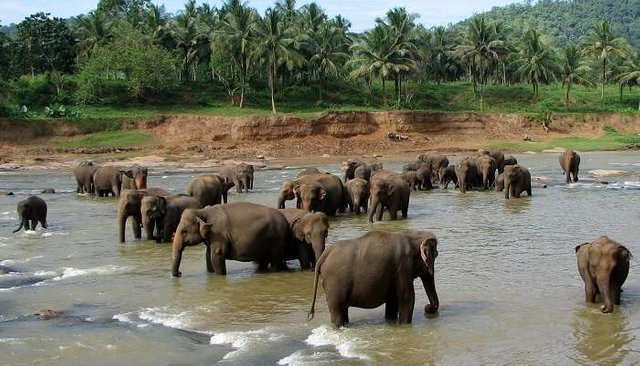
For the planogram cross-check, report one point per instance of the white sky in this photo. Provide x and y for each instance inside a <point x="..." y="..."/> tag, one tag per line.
<point x="361" y="13"/>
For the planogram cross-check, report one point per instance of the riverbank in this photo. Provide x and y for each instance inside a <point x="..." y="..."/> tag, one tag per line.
<point x="192" y="141"/>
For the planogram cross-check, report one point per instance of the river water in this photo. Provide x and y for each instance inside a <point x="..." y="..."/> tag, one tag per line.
<point x="506" y="274"/>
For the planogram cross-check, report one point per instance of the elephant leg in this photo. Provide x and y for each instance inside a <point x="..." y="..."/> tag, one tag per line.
<point x="218" y="262"/>
<point x="405" y="212"/>
<point x="207" y="256"/>
<point x="263" y="266"/>
<point x="393" y="213"/>
<point x="238" y="185"/>
<point x="590" y="291"/>
<point x="136" y="227"/>
<point x="43" y="222"/>
<point x="379" y="212"/>
<point x="406" y="297"/>
<point x="391" y="307"/>
<point x="34" y="223"/>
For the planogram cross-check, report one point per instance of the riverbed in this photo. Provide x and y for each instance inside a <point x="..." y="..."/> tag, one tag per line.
<point x="506" y="274"/>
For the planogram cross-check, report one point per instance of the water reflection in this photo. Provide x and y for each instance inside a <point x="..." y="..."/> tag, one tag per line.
<point x="517" y="205"/>
<point x="600" y="339"/>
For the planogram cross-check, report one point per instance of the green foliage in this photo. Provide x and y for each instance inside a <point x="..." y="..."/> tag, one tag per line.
<point x="60" y="112"/>
<point x="108" y="139"/>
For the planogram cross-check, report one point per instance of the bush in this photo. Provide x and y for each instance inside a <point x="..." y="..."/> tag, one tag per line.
<point x="60" y="112"/>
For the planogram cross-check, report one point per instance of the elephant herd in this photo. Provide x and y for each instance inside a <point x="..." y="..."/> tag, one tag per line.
<point x="374" y="269"/>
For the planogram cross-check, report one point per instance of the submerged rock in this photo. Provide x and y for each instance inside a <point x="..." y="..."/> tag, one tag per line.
<point x="47" y="314"/>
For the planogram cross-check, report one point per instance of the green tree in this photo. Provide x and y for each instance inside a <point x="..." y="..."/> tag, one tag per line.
<point x="5" y="57"/>
<point x="602" y="43"/>
<point x="44" y="45"/>
<point x="276" y="46"/>
<point x="239" y="27"/>
<point x="629" y="73"/>
<point x="573" y="70"/>
<point x="536" y="61"/>
<point x="191" y="40"/>
<point x="132" y="58"/>
<point x="326" y="53"/>
<point x="92" y="30"/>
<point x="441" y="65"/>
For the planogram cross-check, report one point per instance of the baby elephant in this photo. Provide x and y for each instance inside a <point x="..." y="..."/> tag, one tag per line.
<point x="603" y="266"/>
<point x="33" y="209"/>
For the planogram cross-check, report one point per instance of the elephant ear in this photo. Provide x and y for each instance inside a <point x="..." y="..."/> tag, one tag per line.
<point x="128" y="173"/>
<point x="429" y="252"/>
<point x="580" y="246"/>
<point x="391" y="189"/>
<point x="204" y="227"/>
<point x="625" y="254"/>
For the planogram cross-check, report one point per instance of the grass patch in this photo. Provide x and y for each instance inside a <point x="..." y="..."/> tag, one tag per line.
<point x="108" y="139"/>
<point x="610" y="140"/>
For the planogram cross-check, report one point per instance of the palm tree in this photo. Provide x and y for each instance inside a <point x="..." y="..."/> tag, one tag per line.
<point x="601" y="43"/>
<point x="440" y="65"/>
<point x="239" y="26"/>
<point x="326" y="52"/>
<point x="190" y="40"/>
<point x="93" y="30"/>
<point x="573" y="69"/>
<point x="276" y="47"/>
<point x="536" y="62"/>
<point x="480" y="44"/>
<point x="629" y="74"/>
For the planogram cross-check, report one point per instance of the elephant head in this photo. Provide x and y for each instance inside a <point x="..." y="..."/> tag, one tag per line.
<point x="358" y="191"/>
<point x="244" y="175"/>
<point x="382" y="191"/>
<point x="154" y="211"/>
<point x="137" y="176"/>
<point x="349" y="168"/>
<point x="427" y="245"/>
<point x="312" y="196"/>
<point x="193" y="229"/>
<point x="313" y="229"/>
<point x="287" y="192"/>
<point x="129" y="204"/>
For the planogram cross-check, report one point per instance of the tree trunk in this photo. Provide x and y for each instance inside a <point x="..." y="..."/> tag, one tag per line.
<point x="566" y="96"/>
<point x="604" y="75"/>
<point x="384" y="93"/>
<point x="272" y="76"/>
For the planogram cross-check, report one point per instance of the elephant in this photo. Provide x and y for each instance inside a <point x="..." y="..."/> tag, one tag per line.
<point x="32" y="209"/>
<point x="509" y="160"/>
<point x="308" y="171"/>
<point x="374" y="269"/>
<point x="137" y="179"/>
<point x="570" y="163"/>
<point x="603" y="265"/>
<point x="487" y="169"/>
<point x="209" y="190"/>
<point x="48" y="191"/>
<point x="238" y="175"/>
<point x="359" y="169"/>
<point x="517" y="179"/>
<point x="497" y="155"/>
<point x="500" y="182"/>
<point x="130" y="204"/>
<point x="84" y="176"/>
<point x="5" y="193"/>
<point x="389" y="190"/>
<point x="309" y="232"/>
<point x="448" y="176"/>
<point x="162" y="213"/>
<point x="108" y="180"/>
<point x="357" y="195"/>
<point x="411" y="178"/>
<point x="241" y="231"/>
<point x="467" y="174"/>
<point x="315" y="192"/>
<point x="423" y="176"/>
<point x="349" y="168"/>
<point x="413" y="166"/>
<point x="437" y="162"/>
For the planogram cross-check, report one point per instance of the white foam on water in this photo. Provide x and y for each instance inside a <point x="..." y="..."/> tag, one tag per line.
<point x="346" y="345"/>
<point x="163" y="316"/>
<point x="11" y="341"/>
<point x="304" y="358"/>
<point x="247" y="340"/>
<point x="69" y="272"/>
<point x="8" y="262"/>
<point x="45" y="273"/>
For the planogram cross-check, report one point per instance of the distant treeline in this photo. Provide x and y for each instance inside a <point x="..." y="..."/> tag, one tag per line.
<point x="132" y="51"/>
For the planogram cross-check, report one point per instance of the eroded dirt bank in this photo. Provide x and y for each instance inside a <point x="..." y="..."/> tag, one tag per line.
<point x="196" y="137"/>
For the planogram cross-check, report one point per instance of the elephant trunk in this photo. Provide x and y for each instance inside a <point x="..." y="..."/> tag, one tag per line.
<point x="177" y="249"/>
<point x="122" y="221"/>
<point x="316" y="277"/>
<point x="605" y="291"/>
<point x="429" y="284"/>
<point x="246" y="182"/>
<point x="148" y="224"/>
<point x="375" y="202"/>
<point x="140" y="182"/>
<point x="281" y="200"/>
<point x="318" y="246"/>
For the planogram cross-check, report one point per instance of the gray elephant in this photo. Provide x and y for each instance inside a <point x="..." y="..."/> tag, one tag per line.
<point x="389" y="191"/>
<point x="359" y="169"/>
<point x="437" y="162"/>
<point x="424" y="177"/>
<point x="308" y="237"/>
<point x="209" y="189"/>
<point x="108" y="180"/>
<point x="374" y="269"/>
<point x="411" y="178"/>
<point x="448" y="176"/>
<point x="241" y="231"/>
<point x="161" y="215"/>
<point x="137" y="179"/>
<point x="603" y="265"/>
<point x="497" y="155"/>
<point x="32" y="210"/>
<point x="467" y="174"/>
<point x="487" y="169"/>
<point x="238" y="175"/>
<point x="570" y="163"/>
<point x="517" y="179"/>
<point x="509" y="160"/>
<point x="357" y="195"/>
<point x="84" y="176"/>
<point x="315" y="192"/>
<point x="130" y="205"/>
<point x="500" y="182"/>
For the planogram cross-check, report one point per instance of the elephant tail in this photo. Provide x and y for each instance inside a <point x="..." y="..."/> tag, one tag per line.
<point x="316" y="278"/>
<point x="19" y="227"/>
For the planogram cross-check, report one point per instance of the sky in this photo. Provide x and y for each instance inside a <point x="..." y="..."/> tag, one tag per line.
<point x="361" y="13"/>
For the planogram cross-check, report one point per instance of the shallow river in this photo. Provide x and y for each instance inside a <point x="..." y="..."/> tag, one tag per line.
<point x="506" y="274"/>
